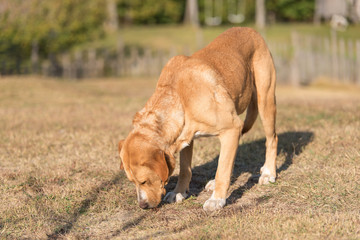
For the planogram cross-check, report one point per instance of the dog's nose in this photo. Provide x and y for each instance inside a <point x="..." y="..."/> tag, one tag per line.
<point x="143" y="204"/>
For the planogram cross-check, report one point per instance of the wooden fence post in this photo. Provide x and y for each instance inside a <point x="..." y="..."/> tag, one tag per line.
<point x="35" y="57"/>
<point x="78" y="65"/>
<point x="199" y="37"/>
<point x="134" y="61"/>
<point x="54" y="68"/>
<point x="91" y="64"/>
<point x="147" y="62"/>
<point x="158" y="60"/>
<point x="186" y="50"/>
<point x="343" y="67"/>
<point x="172" y="52"/>
<point x="310" y="59"/>
<point x="66" y="66"/>
<point x="294" y="65"/>
<point x="327" y="57"/>
<point x="120" y="58"/>
<point x="334" y="55"/>
<point x="45" y="68"/>
<point x="357" y="66"/>
<point x="3" y="68"/>
<point x="100" y="65"/>
<point x="318" y="67"/>
<point x="351" y="61"/>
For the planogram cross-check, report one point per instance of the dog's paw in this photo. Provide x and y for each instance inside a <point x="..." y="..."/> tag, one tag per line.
<point x="263" y="180"/>
<point x="213" y="204"/>
<point x="172" y="197"/>
<point x="210" y="186"/>
<point x="266" y="177"/>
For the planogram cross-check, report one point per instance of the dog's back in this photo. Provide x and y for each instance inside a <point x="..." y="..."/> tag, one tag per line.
<point x="233" y="55"/>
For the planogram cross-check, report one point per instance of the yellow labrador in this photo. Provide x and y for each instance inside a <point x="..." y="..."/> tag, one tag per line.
<point x="202" y="95"/>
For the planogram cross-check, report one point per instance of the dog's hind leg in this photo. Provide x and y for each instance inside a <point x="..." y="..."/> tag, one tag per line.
<point x="265" y="84"/>
<point x="251" y="113"/>
<point x="182" y="187"/>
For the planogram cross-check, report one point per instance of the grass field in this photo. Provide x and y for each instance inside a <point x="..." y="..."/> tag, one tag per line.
<point x="60" y="176"/>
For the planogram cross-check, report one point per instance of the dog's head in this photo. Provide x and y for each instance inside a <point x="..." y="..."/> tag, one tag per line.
<point x="146" y="166"/>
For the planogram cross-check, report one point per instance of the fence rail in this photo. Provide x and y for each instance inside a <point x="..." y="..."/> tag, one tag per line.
<point x="94" y="63"/>
<point x="301" y="61"/>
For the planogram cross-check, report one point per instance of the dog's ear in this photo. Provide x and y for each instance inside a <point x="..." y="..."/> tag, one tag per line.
<point x="170" y="161"/>
<point x="159" y="165"/>
<point x="121" y="142"/>
<point x="163" y="164"/>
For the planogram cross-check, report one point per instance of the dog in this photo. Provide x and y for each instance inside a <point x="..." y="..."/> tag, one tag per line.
<point x="199" y="96"/>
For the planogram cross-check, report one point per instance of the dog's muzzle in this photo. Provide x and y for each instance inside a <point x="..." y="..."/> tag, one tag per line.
<point x="143" y="204"/>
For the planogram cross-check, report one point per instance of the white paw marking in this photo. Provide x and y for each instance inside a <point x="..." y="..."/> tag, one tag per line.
<point x="213" y="204"/>
<point x="184" y="145"/>
<point x="266" y="176"/>
<point x="175" y="197"/>
<point x="210" y="186"/>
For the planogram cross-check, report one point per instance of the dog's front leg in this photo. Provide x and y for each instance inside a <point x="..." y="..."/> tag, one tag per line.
<point x="229" y="142"/>
<point x="182" y="187"/>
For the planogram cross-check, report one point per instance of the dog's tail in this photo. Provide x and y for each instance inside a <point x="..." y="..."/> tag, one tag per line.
<point x="251" y="113"/>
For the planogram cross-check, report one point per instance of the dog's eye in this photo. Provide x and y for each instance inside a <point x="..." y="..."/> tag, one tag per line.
<point x="142" y="183"/>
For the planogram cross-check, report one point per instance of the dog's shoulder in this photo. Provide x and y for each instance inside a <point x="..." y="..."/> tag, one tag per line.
<point x="241" y="33"/>
<point x="176" y="60"/>
<point x="169" y="73"/>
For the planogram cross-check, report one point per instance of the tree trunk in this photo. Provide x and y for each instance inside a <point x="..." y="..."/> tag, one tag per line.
<point x="191" y="13"/>
<point x="35" y="57"/>
<point x="318" y="10"/>
<point x="355" y="11"/>
<point x="112" y="16"/>
<point x="260" y="14"/>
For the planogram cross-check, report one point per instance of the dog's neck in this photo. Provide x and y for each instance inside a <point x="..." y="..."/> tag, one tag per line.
<point x="161" y="120"/>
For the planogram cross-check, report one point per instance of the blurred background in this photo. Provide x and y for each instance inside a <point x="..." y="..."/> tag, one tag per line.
<point x="77" y="39"/>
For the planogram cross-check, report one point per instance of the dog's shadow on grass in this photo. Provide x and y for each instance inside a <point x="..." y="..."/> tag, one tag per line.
<point x="250" y="158"/>
<point x="84" y="206"/>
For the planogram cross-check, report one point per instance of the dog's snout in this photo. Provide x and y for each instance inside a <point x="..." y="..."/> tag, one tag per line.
<point x="143" y="204"/>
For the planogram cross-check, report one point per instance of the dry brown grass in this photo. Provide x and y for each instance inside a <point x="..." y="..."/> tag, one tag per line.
<point x="60" y="177"/>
